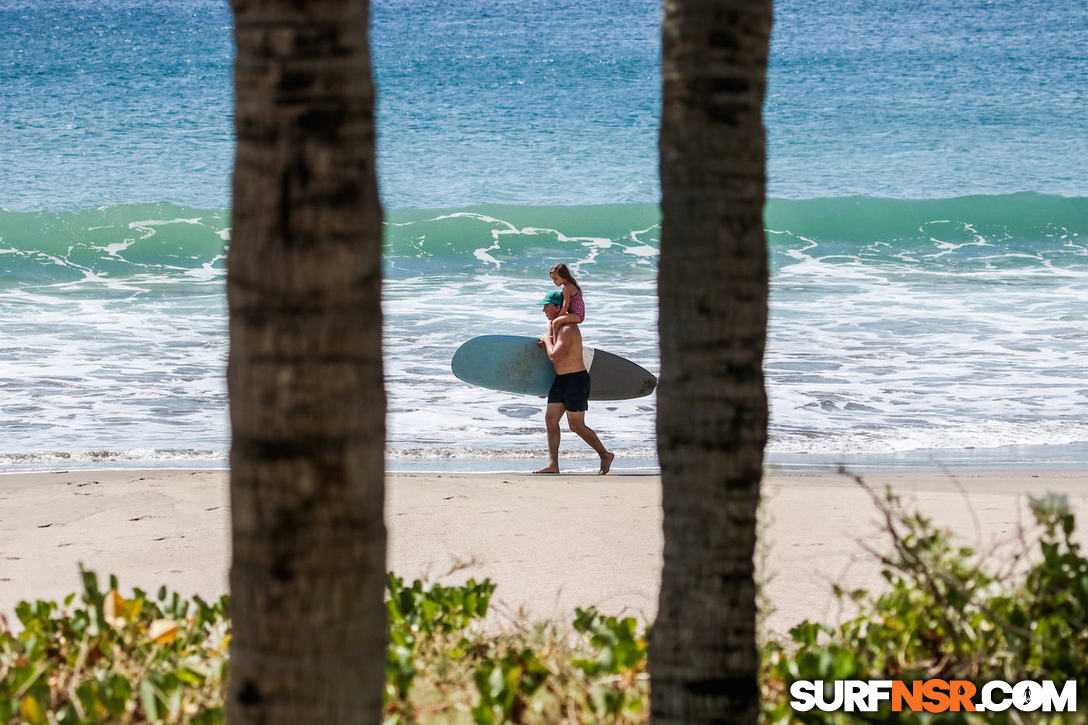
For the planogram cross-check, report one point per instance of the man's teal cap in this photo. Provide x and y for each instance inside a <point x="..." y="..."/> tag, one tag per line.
<point x="552" y="298"/>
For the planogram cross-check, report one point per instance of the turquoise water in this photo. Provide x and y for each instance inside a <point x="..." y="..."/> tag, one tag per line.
<point x="927" y="224"/>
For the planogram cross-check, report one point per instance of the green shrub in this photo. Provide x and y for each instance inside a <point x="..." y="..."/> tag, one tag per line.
<point x="149" y="659"/>
<point x="945" y="614"/>
<point x="420" y="613"/>
<point x="444" y="666"/>
<point x="114" y="659"/>
<point x="506" y="685"/>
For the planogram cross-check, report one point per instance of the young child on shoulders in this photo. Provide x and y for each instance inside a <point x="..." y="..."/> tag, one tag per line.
<point x="573" y="311"/>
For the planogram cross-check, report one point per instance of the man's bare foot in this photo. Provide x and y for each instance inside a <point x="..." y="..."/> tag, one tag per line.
<point x="606" y="463"/>
<point x="551" y="469"/>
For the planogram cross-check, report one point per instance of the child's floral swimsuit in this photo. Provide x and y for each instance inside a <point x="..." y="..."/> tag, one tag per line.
<point x="577" y="305"/>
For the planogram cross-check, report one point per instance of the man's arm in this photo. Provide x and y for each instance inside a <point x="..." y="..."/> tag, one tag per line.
<point x="558" y="346"/>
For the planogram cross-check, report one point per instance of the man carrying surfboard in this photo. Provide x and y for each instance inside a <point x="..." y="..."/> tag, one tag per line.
<point x="569" y="393"/>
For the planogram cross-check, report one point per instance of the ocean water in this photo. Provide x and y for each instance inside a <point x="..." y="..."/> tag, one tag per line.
<point x="928" y="225"/>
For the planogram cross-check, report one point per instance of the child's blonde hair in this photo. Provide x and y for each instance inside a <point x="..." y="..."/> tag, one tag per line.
<point x="564" y="274"/>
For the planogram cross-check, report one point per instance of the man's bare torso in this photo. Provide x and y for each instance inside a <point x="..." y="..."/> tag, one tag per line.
<point x="568" y="341"/>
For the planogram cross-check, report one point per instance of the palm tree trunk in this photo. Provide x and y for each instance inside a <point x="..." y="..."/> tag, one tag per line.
<point x="712" y="406"/>
<point x="307" y="401"/>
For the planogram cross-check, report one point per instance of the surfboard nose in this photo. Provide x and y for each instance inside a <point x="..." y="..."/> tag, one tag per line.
<point x="647" y="387"/>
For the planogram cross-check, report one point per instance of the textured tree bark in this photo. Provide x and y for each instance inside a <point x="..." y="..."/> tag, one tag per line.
<point x="712" y="406"/>
<point x="307" y="401"/>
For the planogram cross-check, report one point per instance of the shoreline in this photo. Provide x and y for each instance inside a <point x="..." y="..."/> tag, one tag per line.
<point x="551" y="543"/>
<point x="1056" y="457"/>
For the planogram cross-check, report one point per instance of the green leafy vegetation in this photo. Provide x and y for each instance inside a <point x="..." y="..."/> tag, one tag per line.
<point x="444" y="666"/>
<point x="115" y="659"/>
<point x="144" y="659"/>
<point x="946" y="613"/>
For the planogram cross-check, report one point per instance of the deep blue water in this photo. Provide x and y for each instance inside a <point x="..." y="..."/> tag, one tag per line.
<point x="928" y="220"/>
<point x="545" y="102"/>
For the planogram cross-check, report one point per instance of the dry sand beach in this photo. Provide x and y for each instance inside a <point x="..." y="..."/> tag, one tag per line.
<point x="551" y="543"/>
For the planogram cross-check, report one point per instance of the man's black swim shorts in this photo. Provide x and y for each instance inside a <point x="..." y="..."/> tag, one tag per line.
<point x="572" y="390"/>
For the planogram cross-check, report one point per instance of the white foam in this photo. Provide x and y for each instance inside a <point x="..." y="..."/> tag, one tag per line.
<point x="905" y="352"/>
